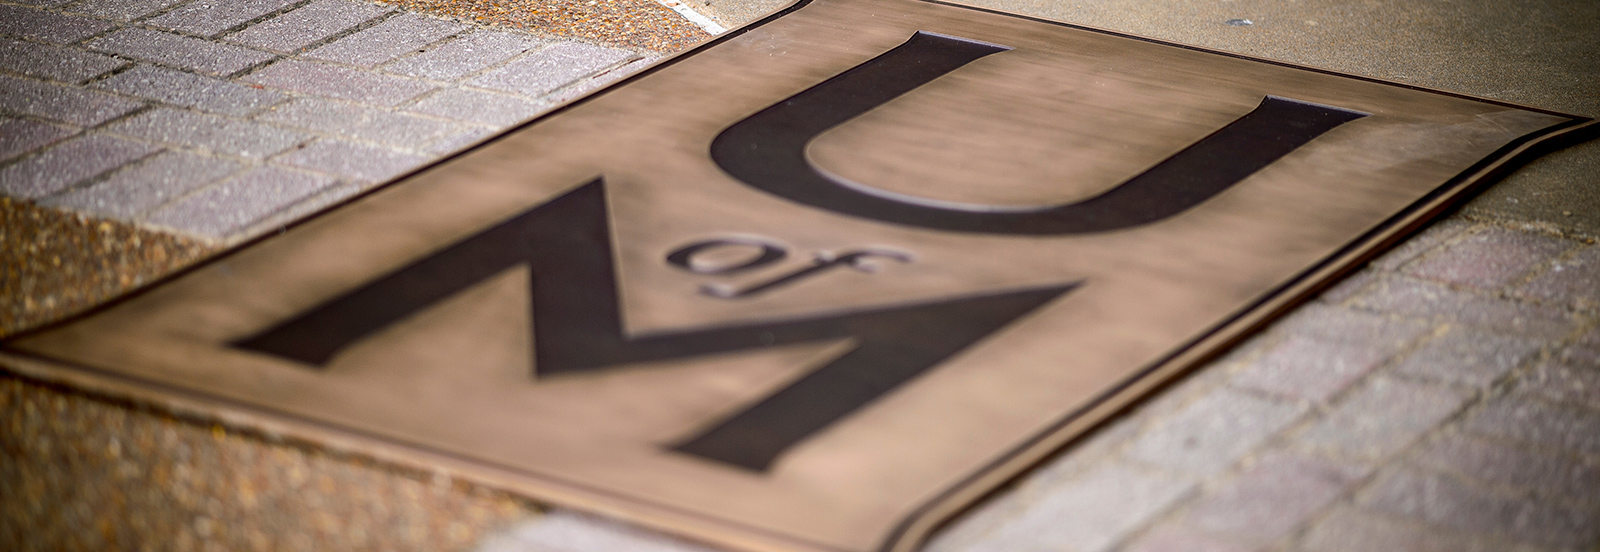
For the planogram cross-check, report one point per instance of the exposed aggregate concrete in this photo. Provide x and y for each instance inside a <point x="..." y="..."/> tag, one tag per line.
<point x="637" y="23"/>
<point x="79" y="473"/>
<point x="54" y="263"/>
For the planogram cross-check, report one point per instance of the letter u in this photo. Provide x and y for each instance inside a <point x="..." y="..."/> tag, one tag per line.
<point x="767" y="151"/>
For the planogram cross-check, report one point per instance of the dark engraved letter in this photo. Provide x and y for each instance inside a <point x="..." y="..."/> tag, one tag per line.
<point x="566" y="245"/>
<point x="767" y="151"/>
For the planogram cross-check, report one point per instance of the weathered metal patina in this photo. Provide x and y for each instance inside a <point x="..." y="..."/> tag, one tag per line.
<point x="815" y="285"/>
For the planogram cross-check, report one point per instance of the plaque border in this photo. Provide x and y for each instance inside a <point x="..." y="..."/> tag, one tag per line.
<point x="947" y="503"/>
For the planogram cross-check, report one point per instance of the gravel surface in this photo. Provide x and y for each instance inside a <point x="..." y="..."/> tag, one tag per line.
<point x="636" y="23"/>
<point x="54" y="263"/>
<point x="79" y="473"/>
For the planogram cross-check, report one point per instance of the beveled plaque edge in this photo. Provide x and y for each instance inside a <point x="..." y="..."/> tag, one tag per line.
<point x="393" y="455"/>
<point x="1244" y="323"/>
<point x="278" y="426"/>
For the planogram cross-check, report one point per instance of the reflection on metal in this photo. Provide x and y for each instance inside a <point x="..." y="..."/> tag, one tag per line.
<point x="638" y="304"/>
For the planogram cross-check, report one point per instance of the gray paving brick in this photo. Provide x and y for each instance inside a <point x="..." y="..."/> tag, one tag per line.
<point x="1563" y="382"/>
<point x="61" y="103"/>
<point x="392" y="38"/>
<point x="977" y="524"/>
<point x="1545" y="474"/>
<point x="460" y="141"/>
<point x="1430" y="300"/>
<point x="1420" y="244"/>
<point x="43" y="3"/>
<point x="191" y="90"/>
<point x="144" y="186"/>
<point x="359" y="162"/>
<point x="361" y="123"/>
<point x="583" y="87"/>
<point x="563" y="531"/>
<point x="1382" y="417"/>
<point x="1446" y="500"/>
<point x="1469" y="357"/>
<point x="1254" y="346"/>
<point x="307" y="24"/>
<point x="1586" y="350"/>
<point x="180" y="51"/>
<point x="1177" y="538"/>
<point x="53" y="62"/>
<point x="1213" y="432"/>
<point x="1353" y="530"/>
<point x="19" y="136"/>
<point x="226" y="208"/>
<point x="1343" y="325"/>
<point x="123" y="10"/>
<point x="1574" y="280"/>
<point x="211" y="17"/>
<point x="209" y="132"/>
<point x="1312" y="369"/>
<point x="45" y="26"/>
<point x="1350" y="286"/>
<point x="332" y="81"/>
<point x="1510" y="417"/>
<point x="464" y="55"/>
<point x="478" y="107"/>
<point x="1094" y="448"/>
<point x="1272" y="498"/>
<point x="550" y="68"/>
<point x="68" y="163"/>
<point x="1489" y="259"/>
<point x="1092" y="512"/>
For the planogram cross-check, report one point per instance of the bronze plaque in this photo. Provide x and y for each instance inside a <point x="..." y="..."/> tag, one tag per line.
<point x="812" y="286"/>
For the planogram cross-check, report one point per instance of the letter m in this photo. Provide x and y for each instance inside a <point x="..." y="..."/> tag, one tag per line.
<point x="566" y="245"/>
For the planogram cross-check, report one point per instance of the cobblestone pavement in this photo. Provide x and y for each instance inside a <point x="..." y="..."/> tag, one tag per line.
<point x="1446" y="397"/>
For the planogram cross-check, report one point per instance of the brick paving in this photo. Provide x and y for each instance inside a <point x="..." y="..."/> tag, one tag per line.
<point x="19" y="136"/>
<point x="50" y="62"/>
<point x="193" y="91"/>
<point x="61" y="104"/>
<point x="1475" y="427"/>
<point x="147" y="185"/>
<point x="223" y="121"/>
<point x="53" y="170"/>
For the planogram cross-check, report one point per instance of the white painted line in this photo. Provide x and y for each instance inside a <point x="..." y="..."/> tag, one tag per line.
<point x="694" y="17"/>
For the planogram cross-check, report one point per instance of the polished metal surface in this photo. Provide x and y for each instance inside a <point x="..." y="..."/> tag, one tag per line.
<point x="814" y="285"/>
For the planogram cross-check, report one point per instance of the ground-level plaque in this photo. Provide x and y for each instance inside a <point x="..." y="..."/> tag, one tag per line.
<point x="815" y="285"/>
